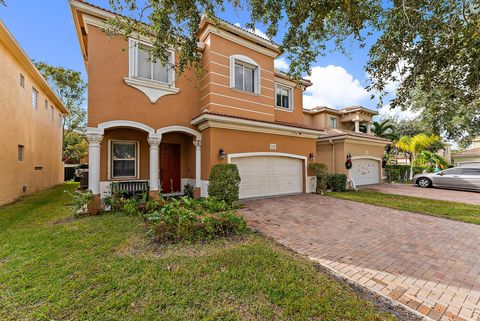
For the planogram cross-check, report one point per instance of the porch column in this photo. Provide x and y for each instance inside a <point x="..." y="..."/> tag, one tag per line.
<point x="369" y="128"/>
<point x="94" y="141"/>
<point x="198" y="161"/>
<point x="357" y="126"/>
<point x="154" y="141"/>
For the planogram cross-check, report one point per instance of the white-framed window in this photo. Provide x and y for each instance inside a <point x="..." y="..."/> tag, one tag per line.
<point x="51" y="113"/>
<point x="46" y="104"/>
<point x="332" y="122"/>
<point x="144" y="67"/>
<point x="34" y="98"/>
<point x="244" y="74"/>
<point x="124" y="159"/>
<point x="283" y="97"/>
<point x="20" y="150"/>
<point x="22" y="81"/>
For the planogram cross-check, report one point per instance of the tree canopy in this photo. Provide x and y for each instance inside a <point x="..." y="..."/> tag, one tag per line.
<point x="70" y="88"/>
<point x="431" y="49"/>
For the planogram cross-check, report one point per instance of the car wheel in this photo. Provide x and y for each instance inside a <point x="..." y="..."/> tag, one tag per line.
<point x="424" y="182"/>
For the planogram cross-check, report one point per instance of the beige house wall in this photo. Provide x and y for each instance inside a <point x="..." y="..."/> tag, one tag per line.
<point x="21" y="124"/>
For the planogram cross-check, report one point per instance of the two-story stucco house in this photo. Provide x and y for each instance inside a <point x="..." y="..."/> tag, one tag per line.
<point x="146" y="123"/>
<point x="31" y="125"/>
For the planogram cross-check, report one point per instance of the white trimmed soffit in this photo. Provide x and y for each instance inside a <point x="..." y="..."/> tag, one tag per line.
<point x="206" y="121"/>
<point x="378" y="159"/>
<point x="238" y="40"/>
<point x="351" y="139"/>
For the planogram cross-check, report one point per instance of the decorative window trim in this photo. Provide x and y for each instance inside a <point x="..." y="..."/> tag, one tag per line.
<point x="290" y="99"/>
<point x="153" y="89"/>
<point x="110" y="160"/>
<point x="249" y="61"/>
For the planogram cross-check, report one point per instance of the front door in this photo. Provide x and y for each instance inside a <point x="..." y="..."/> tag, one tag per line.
<point x="170" y="168"/>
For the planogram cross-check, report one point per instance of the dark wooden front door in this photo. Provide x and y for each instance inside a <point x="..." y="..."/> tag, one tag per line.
<point x="170" y="168"/>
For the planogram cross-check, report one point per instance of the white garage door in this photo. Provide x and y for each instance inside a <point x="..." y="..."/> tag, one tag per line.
<point x="469" y="164"/>
<point x="269" y="175"/>
<point x="364" y="171"/>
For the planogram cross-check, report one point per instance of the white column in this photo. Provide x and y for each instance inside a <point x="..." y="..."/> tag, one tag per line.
<point x="94" y="141"/>
<point x="357" y="126"/>
<point x="198" y="161"/>
<point x="369" y="128"/>
<point x="154" y="142"/>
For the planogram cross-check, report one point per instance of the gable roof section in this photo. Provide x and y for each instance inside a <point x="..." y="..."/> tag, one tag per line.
<point x="468" y="153"/>
<point x="345" y="110"/>
<point x="340" y="134"/>
<point x="12" y="46"/>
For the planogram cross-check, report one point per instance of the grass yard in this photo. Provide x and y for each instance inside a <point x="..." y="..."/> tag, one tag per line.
<point x="455" y="211"/>
<point x="105" y="268"/>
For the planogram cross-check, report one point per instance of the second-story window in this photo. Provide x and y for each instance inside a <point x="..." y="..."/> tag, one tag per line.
<point x="333" y="122"/>
<point x="244" y="74"/>
<point x="34" y="98"/>
<point x="22" y="81"/>
<point x="146" y="67"/>
<point x="284" y="97"/>
<point x="51" y="114"/>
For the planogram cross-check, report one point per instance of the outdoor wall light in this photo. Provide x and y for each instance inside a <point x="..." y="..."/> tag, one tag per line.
<point x="310" y="157"/>
<point x="221" y="153"/>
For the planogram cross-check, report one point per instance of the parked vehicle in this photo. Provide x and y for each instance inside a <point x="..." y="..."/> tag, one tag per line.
<point x="457" y="178"/>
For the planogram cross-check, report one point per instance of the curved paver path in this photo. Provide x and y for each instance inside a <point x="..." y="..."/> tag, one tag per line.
<point x="433" y="193"/>
<point x="430" y="264"/>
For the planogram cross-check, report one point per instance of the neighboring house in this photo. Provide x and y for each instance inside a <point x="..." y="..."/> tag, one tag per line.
<point x="343" y="137"/>
<point x="147" y="124"/>
<point x="470" y="156"/>
<point x="31" y="125"/>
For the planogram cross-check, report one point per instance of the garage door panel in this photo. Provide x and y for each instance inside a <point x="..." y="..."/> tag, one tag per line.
<point x="365" y="172"/>
<point x="269" y="175"/>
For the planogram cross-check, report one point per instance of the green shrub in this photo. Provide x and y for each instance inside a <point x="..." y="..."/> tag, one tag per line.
<point x="131" y="207"/>
<point x="188" y="190"/>
<point x="115" y="201"/>
<point x="189" y="220"/>
<point x="321" y="175"/>
<point x="224" y="183"/>
<point x="337" y="182"/>
<point x="401" y="173"/>
<point x="81" y="200"/>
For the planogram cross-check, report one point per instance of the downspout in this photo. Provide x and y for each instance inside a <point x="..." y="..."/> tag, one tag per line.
<point x="333" y="155"/>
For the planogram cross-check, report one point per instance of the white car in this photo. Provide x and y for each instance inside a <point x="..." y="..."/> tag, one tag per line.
<point x="457" y="178"/>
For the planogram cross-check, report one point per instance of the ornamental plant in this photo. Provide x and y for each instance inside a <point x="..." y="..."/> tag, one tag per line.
<point x="224" y="182"/>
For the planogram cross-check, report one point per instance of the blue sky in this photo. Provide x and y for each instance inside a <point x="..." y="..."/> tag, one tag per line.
<point x="46" y="32"/>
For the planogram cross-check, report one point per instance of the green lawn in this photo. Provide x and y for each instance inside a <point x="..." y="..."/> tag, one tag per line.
<point x="105" y="268"/>
<point x="451" y="210"/>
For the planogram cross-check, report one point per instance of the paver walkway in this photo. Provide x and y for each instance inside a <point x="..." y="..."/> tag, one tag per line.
<point x="430" y="264"/>
<point x="433" y="193"/>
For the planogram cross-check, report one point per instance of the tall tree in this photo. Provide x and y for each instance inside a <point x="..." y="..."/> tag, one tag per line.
<point x="70" y="88"/>
<point x="425" y="46"/>
<point x="384" y="128"/>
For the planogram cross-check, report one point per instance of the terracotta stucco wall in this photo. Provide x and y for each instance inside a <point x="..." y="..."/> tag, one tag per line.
<point x="234" y="141"/>
<point x="109" y="98"/>
<point x="33" y="128"/>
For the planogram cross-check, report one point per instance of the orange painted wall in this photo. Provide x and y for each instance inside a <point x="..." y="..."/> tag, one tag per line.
<point x="33" y="128"/>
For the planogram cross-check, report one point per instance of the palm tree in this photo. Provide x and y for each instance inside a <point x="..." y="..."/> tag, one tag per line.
<point x="426" y="158"/>
<point x="384" y="128"/>
<point x="412" y="146"/>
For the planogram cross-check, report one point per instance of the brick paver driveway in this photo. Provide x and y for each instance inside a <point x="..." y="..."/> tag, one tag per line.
<point x="433" y="193"/>
<point x="429" y="264"/>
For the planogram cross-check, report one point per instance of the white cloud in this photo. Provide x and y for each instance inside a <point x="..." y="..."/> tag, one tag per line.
<point x="256" y="31"/>
<point x="386" y="111"/>
<point x="333" y="87"/>
<point x="282" y="64"/>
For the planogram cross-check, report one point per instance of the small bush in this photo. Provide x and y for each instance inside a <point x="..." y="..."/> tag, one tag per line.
<point x="81" y="200"/>
<point x="189" y="220"/>
<point x="188" y="190"/>
<point x="321" y="175"/>
<point x="131" y="207"/>
<point x="401" y="173"/>
<point x="224" y="182"/>
<point x="337" y="182"/>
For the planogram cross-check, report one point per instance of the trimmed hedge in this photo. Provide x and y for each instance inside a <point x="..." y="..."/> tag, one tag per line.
<point x="224" y="182"/>
<point x="337" y="182"/>
<point x="401" y="172"/>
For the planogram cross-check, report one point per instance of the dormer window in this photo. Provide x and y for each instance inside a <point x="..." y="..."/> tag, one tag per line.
<point x="244" y="74"/>
<point x="146" y="67"/>
<point x="283" y="97"/>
